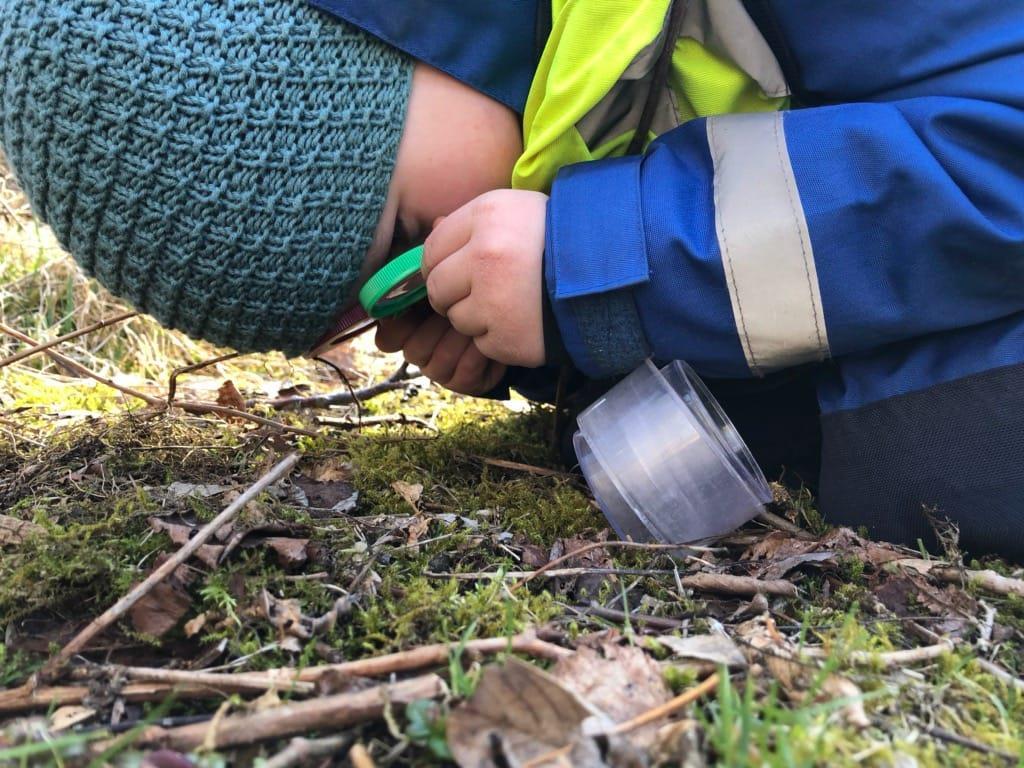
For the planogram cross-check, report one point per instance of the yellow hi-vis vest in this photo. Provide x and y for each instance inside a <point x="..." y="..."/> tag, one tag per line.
<point x="595" y="75"/>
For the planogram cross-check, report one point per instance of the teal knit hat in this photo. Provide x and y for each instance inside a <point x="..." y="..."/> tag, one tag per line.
<point x="221" y="164"/>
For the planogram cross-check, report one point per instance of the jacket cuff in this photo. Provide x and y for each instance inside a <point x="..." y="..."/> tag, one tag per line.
<point x="596" y="255"/>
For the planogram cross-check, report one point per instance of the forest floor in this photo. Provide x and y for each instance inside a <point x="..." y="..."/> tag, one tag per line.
<point x="411" y="578"/>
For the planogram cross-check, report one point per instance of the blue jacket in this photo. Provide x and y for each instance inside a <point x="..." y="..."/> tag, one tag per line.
<point x="878" y="223"/>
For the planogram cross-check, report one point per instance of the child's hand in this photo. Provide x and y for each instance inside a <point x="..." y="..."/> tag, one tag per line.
<point x="483" y="265"/>
<point x="443" y="354"/>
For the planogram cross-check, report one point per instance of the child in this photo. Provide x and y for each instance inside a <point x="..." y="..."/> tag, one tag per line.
<point x="236" y="169"/>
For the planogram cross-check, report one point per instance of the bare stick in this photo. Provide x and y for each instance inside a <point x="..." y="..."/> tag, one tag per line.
<point x="612" y="614"/>
<point x="1001" y="674"/>
<point x="360" y="758"/>
<point x="346" y="396"/>
<point x="300" y="751"/>
<point x="27" y="698"/>
<point x="745" y="586"/>
<point x="42" y="347"/>
<point x="987" y="580"/>
<point x="375" y="421"/>
<point x="889" y="659"/>
<point x="325" y="713"/>
<point x="239" y="682"/>
<point x="556" y="573"/>
<point x="434" y="655"/>
<point x="528" y="468"/>
<point x="201" y="408"/>
<point x="777" y="521"/>
<point x="121" y="607"/>
<point x="80" y="369"/>
<point x="172" y="382"/>
<point x="598" y="545"/>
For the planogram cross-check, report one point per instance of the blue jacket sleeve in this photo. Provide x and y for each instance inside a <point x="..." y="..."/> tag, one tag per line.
<point x="747" y="243"/>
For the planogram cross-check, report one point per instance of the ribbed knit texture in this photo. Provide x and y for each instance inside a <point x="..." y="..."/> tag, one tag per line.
<point x="222" y="164"/>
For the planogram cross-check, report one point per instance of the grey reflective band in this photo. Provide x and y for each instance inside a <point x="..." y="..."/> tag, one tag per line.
<point x="766" y="248"/>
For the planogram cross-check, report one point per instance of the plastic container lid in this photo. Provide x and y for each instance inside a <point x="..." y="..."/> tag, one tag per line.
<point x="664" y="461"/>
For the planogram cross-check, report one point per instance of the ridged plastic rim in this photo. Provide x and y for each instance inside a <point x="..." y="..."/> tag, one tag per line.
<point x="374" y="294"/>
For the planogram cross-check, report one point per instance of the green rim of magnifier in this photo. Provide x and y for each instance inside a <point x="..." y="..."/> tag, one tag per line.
<point x="373" y="294"/>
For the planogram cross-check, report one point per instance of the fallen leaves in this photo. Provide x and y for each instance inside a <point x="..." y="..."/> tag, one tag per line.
<point x="294" y="626"/>
<point x="14" y="531"/>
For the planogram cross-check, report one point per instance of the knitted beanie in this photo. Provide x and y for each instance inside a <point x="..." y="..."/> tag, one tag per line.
<point x="221" y="164"/>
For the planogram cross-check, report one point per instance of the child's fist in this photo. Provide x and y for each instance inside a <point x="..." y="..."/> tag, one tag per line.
<point x="443" y="354"/>
<point x="483" y="265"/>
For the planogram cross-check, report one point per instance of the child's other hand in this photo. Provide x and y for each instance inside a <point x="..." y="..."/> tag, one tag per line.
<point x="483" y="265"/>
<point x="443" y="354"/>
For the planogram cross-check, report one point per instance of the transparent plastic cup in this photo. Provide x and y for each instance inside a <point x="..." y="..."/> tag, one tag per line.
<point x="663" y="460"/>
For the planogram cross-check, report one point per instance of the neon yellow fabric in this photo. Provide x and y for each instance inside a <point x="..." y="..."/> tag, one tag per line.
<point x="592" y="43"/>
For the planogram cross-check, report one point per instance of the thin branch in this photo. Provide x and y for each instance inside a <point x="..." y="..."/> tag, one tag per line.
<point x="345" y="396"/>
<point x="986" y="579"/>
<point x="887" y="659"/>
<point x="601" y="545"/>
<point x="326" y="713"/>
<point x="239" y="682"/>
<point x="172" y="382"/>
<point x="42" y="347"/>
<point x="120" y="608"/>
<point x="516" y="466"/>
<point x="301" y="751"/>
<point x="613" y="614"/>
<point x="376" y="421"/>
<point x="669" y="707"/>
<point x="556" y="573"/>
<point x="1001" y="674"/>
<point x="199" y="408"/>
<point x="744" y="586"/>
<point x="777" y="521"/>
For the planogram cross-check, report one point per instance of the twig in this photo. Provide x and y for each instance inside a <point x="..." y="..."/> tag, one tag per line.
<point x="954" y="738"/>
<point x="199" y="408"/>
<point x="300" y="751"/>
<point x="172" y="382"/>
<point x="345" y="396"/>
<point x="528" y="468"/>
<point x="556" y="573"/>
<point x="669" y="707"/>
<point x="239" y="682"/>
<point x="28" y="698"/>
<point x="375" y="421"/>
<point x="987" y="580"/>
<point x="745" y="586"/>
<point x="598" y="545"/>
<point x="360" y="758"/>
<point x="121" y="607"/>
<point x="889" y="659"/>
<point x="613" y="614"/>
<point x="1001" y="674"/>
<point x="42" y="347"/>
<point x="777" y="521"/>
<point x="81" y="370"/>
<point x="324" y="713"/>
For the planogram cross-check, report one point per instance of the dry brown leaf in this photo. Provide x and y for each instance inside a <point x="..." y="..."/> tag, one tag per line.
<point x="291" y="553"/>
<point x="336" y="495"/>
<point x="837" y="687"/>
<point x="417" y="527"/>
<point x="160" y="609"/>
<point x="15" y="531"/>
<point x="290" y="622"/>
<point x="229" y="396"/>
<point x="66" y="717"/>
<point x="195" y="625"/>
<point x="621" y="681"/>
<point x="534" y="556"/>
<point x="330" y="471"/>
<point x="517" y="713"/>
<point x="180" y="533"/>
<point x="779" y="552"/>
<point x="411" y="492"/>
<point x="718" y="648"/>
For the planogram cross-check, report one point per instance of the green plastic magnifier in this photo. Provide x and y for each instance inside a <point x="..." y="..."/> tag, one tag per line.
<point x="396" y="286"/>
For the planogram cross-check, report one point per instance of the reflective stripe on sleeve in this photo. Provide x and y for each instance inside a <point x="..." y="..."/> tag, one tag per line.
<point x="766" y="248"/>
